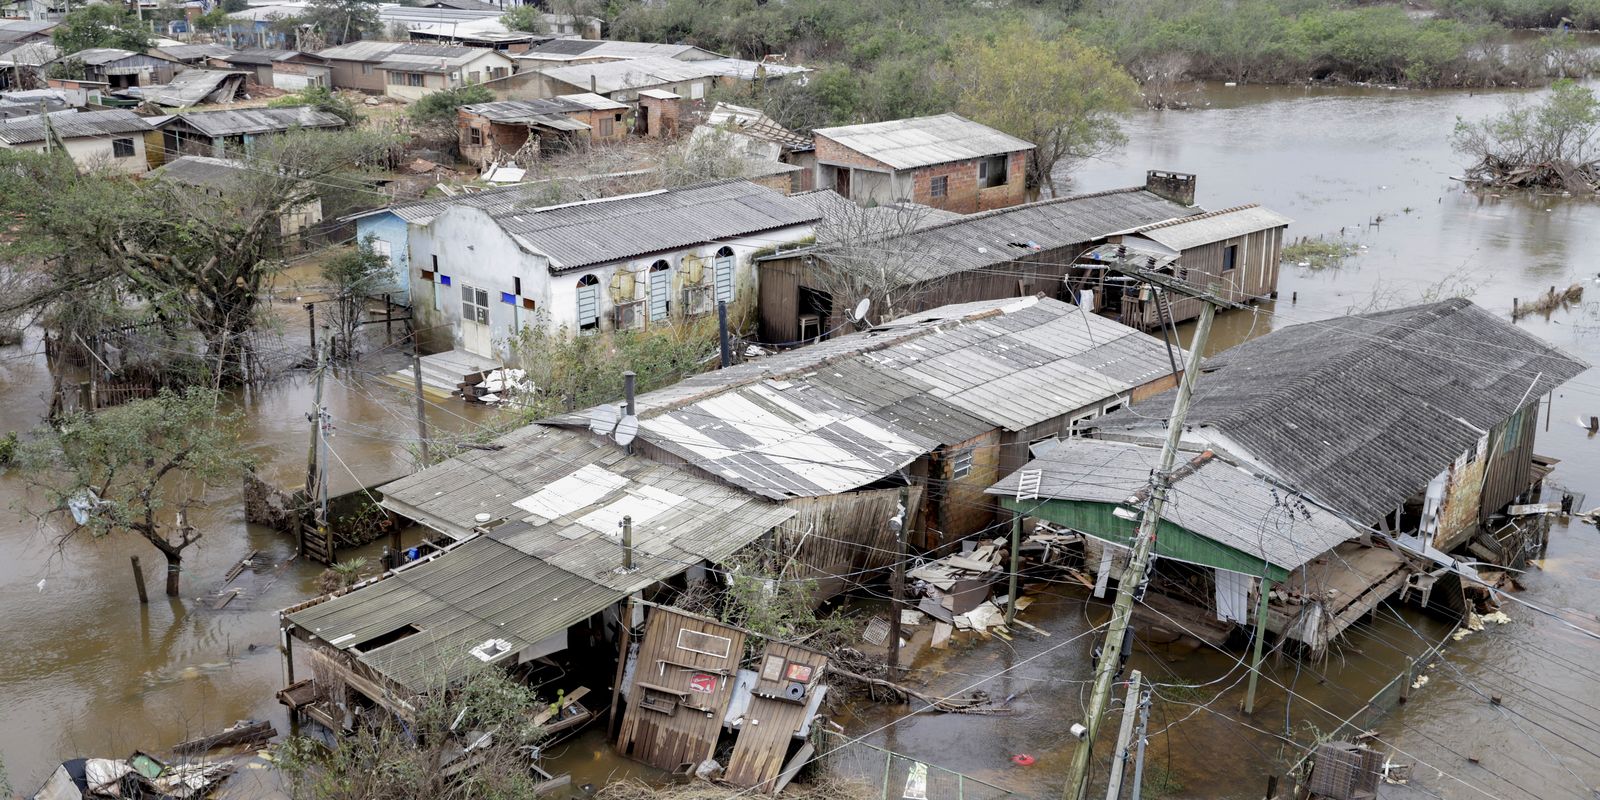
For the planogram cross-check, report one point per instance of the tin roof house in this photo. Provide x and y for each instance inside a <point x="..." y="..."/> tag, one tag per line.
<point x="946" y="161"/>
<point x="221" y="133"/>
<point x="120" y="69"/>
<point x="499" y="131"/>
<point x="113" y="139"/>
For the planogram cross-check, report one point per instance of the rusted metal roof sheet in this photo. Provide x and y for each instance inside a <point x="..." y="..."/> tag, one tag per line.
<point x="1361" y="412"/>
<point x="72" y="125"/>
<point x="924" y="141"/>
<point x="518" y="111"/>
<point x="1219" y="501"/>
<point x="601" y="231"/>
<point x="1212" y="226"/>
<point x="850" y="411"/>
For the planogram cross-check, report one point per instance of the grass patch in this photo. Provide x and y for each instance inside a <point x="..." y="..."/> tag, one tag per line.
<point x="1317" y="253"/>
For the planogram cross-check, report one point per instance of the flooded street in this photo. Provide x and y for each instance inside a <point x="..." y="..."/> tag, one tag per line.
<point x="86" y="670"/>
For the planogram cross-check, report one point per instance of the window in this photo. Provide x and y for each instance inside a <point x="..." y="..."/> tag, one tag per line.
<point x="697" y="90"/>
<point x="474" y="304"/>
<point x="414" y="79"/>
<point x="366" y="69"/>
<point x="961" y="464"/>
<point x="724" y="275"/>
<point x="1230" y="257"/>
<point x="660" y="291"/>
<point x="384" y="250"/>
<point x="939" y="186"/>
<point x="992" y="172"/>
<point x="474" y="137"/>
<point x="496" y="73"/>
<point x="122" y="148"/>
<point x="706" y="644"/>
<point x="475" y="76"/>
<point x="1113" y="407"/>
<point x="1079" y="427"/>
<point x="588" y="303"/>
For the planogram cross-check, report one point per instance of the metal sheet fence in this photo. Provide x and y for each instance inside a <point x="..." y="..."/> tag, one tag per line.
<point x="898" y="777"/>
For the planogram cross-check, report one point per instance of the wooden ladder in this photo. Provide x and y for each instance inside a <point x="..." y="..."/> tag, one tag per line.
<point x="316" y="544"/>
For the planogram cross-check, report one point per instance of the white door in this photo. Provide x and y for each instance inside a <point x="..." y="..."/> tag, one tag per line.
<point x="660" y="288"/>
<point x="477" y="336"/>
<point x="724" y="278"/>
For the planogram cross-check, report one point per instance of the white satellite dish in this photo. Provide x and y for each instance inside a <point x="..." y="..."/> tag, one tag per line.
<point x="603" y="420"/>
<point x="860" y="312"/>
<point x="627" y="429"/>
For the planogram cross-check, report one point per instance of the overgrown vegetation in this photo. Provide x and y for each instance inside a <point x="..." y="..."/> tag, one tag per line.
<point x="441" y="106"/>
<point x="529" y="18"/>
<point x="1583" y="14"/>
<point x="387" y="758"/>
<point x="321" y="98"/>
<point x="136" y="468"/>
<point x="353" y="275"/>
<point x="1545" y="143"/>
<point x="341" y="21"/>
<point x="104" y="25"/>
<point x="572" y="372"/>
<point x="1317" y="253"/>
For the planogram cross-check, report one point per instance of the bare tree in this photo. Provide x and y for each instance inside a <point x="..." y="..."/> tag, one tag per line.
<point x="874" y="254"/>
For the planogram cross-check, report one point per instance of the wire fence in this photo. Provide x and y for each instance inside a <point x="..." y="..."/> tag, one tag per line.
<point x="900" y="777"/>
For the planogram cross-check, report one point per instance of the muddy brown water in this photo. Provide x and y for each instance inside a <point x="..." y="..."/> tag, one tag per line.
<point x="85" y="670"/>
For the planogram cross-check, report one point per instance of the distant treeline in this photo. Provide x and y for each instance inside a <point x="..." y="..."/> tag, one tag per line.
<point x="1582" y="14"/>
<point x="882" y="59"/>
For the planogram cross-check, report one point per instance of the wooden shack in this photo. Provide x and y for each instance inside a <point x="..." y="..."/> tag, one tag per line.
<point x="683" y="677"/>
<point x="780" y="704"/>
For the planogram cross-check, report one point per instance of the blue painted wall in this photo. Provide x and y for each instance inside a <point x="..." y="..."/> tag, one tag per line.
<point x="389" y="228"/>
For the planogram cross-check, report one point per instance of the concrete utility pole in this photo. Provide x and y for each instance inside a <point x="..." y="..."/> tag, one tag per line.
<point x="895" y="607"/>
<point x="1119" y="759"/>
<point x="1133" y="578"/>
<point x="1140" y="740"/>
<point x="422" y="403"/>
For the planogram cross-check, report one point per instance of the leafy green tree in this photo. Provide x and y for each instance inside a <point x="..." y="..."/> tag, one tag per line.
<point x="120" y="470"/>
<point x="101" y="26"/>
<point x="191" y="256"/>
<point x="352" y="276"/>
<point x="320" y="98"/>
<point x="441" y="106"/>
<point x="1553" y="136"/>
<point x="214" y="20"/>
<point x="341" y="21"/>
<point x="524" y="18"/>
<point x="1058" y="93"/>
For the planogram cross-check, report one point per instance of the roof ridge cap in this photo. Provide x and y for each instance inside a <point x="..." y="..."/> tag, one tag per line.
<point x="1167" y="223"/>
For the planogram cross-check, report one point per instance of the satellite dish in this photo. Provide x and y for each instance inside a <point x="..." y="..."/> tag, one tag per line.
<point x="860" y="312"/>
<point x="603" y="420"/>
<point x="627" y="429"/>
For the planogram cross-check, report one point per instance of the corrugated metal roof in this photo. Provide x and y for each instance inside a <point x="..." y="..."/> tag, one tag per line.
<point x="16" y="30"/>
<point x="32" y="54"/>
<point x="601" y="231"/>
<point x="852" y="410"/>
<point x="257" y="56"/>
<point x="593" y="48"/>
<point x="1361" y="412"/>
<point x="521" y="111"/>
<point x="1220" y="501"/>
<point x="192" y="87"/>
<point x="234" y="122"/>
<point x="192" y="52"/>
<point x="201" y="171"/>
<point x="924" y="141"/>
<point x="636" y="73"/>
<point x="97" y="56"/>
<point x="361" y="51"/>
<point x="995" y="237"/>
<point x="535" y="575"/>
<point x="25" y="130"/>
<point x="844" y="220"/>
<point x="1212" y="226"/>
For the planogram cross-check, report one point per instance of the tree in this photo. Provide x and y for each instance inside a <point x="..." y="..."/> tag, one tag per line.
<point x="353" y="276"/>
<point x="441" y="106"/>
<point x="320" y="98"/>
<point x="101" y="26"/>
<point x="1058" y="93"/>
<point x="341" y="21"/>
<point x="185" y="255"/>
<point x="121" y="469"/>
<point x="388" y="758"/>
<point x="527" y="18"/>
<point x="214" y="20"/>
<point x="1551" y="142"/>
<point x="870" y="254"/>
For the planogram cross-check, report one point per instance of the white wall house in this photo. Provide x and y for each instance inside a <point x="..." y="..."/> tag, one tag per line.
<point x="625" y="262"/>
<point x="95" y="139"/>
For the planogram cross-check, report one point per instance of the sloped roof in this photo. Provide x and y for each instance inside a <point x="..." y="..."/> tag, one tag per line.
<point x="201" y="171"/>
<point x="257" y="56"/>
<point x="850" y="411"/>
<point x="361" y="51"/>
<point x="532" y="110"/>
<point x="32" y="54"/>
<point x="600" y="231"/>
<point x="17" y="30"/>
<point x="924" y="141"/>
<point x="192" y="87"/>
<point x="637" y="73"/>
<point x="97" y="56"/>
<point x="756" y="124"/>
<point x="554" y="499"/>
<point x="1212" y="226"/>
<point x="843" y="219"/>
<point x="594" y="48"/>
<point x="189" y="52"/>
<point x="976" y="241"/>
<point x="72" y="125"/>
<point x="1361" y="412"/>
<point x="235" y="122"/>
<point x="1219" y="500"/>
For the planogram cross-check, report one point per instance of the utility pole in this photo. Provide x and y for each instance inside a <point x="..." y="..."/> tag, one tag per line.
<point x="1141" y="740"/>
<point x="313" y="454"/>
<point x="627" y="543"/>
<point x="1132" y="581"/>
<point x="311" y="324"/>
<point x="1016" y="543"/>
<point x="1119" y="759"/>
<point x="900" y="523"/>
<point x="724" y="345"/>
<point x="422" y="407"/>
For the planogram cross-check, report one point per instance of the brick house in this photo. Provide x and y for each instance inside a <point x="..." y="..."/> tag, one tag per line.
<point x="946" y="161"/>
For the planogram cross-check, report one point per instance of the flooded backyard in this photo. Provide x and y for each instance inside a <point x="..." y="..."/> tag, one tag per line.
<point x="85" y="669"/>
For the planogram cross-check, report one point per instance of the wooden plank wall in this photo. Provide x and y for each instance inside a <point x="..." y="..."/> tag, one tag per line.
<point x="771" y="722"/>
<point x="833" y="538"/>
<point x="686" y="732"/>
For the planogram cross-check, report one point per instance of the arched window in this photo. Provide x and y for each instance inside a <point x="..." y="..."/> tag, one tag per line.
<point x="724" y="275"/>
<point x="660" y="291"/>
<point x="588" y="303"/>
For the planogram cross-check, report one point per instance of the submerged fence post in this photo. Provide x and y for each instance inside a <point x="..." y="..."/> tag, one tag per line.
<point x="138" y="581"/>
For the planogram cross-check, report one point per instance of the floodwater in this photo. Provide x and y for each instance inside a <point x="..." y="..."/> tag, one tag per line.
<point x="84" y="669"/>
<point x="1374" y="166"/>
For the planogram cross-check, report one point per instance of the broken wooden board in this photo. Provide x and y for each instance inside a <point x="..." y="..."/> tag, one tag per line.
<point x="544" y="716"/>
<point x="941" y="635"/>
<point x="243" y="732"/>
<point x="935" y="609"/>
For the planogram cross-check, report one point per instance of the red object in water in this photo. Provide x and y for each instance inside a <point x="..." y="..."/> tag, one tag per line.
<point x="1022" y="760"/>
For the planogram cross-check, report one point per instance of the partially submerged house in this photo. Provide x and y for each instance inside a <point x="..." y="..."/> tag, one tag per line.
<point x="535" y="563"/>
<point x="214" y="177"/>
<point x="113" y="139"/>
<point x="498" y="131"/>
<point x="946" y="161"/>
<point x="414" y="71"/>
<point x="941" y="404"/>
<point x="219" y="133"/>
<point x="1415" y="425"/>
<point x="610" y="264"/>
<point x="120" y="69"/>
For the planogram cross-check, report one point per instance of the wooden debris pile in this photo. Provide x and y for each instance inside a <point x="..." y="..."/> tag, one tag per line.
<point x="958" y="590"/>
<point x="1554" y="174"/>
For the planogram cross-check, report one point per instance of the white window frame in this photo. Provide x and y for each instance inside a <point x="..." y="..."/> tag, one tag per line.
<point x="961" y="463"/>
<point x="479" y="312"/>
<point x="727" y="643"/>
<point x="1073" y="431"/>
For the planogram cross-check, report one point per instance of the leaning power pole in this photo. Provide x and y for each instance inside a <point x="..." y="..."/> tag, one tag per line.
<point x="1131" y="585"/>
